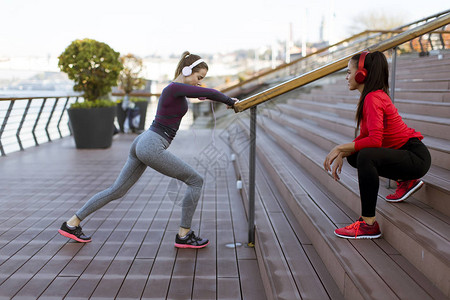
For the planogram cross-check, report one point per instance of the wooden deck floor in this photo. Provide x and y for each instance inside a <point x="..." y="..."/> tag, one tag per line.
<point x="132" y="255"/>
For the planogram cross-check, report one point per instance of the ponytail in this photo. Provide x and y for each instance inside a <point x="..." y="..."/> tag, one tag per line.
<point x="186" y="60"/>
<point x="377" y="78"/>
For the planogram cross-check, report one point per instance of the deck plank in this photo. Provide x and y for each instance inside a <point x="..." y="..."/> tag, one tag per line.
<point x="132" y="254"/>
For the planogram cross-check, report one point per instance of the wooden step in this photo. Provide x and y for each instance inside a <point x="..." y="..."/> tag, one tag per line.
<point x="347" y="110"/>
<point x="434" y="95"/>
<point x="421" y="75"/>
<point x="436" y="193"/>
<point x="426" y="108"/>
<point x="422" y="95"/>
<point x="435" y="66"/>
<point x="290" y="266"/>
<point x="362" y="269"/>
<point x="344" y="110"/>
<point x="428" y="236"/>
<point x="443" y="84"/>
<point x="405" y="61"/>
<point x="439" y="148"/>
<point x="328" y="121"/>
<point x="428" y="125"/>
<point x="434" y="83"/>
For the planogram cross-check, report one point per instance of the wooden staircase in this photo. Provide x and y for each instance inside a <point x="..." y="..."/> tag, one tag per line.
<point x="298" y="205"/>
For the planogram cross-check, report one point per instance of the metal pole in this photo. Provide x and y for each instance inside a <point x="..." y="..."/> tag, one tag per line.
<point x="37" y="121"/>
<point x="2" y="129"/>
<point x="22" y="121"/>
<point x="251" y="197"/>
<point x="442" y="39"/>
<point x="61" y="116"/>
<point x="393" y="70"/>
<point x="50" y="119"/>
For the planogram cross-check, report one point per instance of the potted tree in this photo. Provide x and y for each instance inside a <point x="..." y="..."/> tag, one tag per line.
<point x="94" y="67"/>
<point x="129" y="80"/>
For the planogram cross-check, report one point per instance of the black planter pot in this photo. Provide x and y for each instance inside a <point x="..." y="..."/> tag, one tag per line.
<point x="142" y="109"/>
<point x="92" y="128"/>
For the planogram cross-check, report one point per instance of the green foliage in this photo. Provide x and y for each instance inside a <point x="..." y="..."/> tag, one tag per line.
<point x="94" y="66"/>
<point x="129" y="79"/>
<point x="92" y="104"/>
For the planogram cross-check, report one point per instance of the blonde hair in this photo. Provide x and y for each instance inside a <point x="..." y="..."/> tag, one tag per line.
<point x="188" y="59"/>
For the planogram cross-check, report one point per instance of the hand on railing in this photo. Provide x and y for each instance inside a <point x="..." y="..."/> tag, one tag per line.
<point x="236" y="100"/>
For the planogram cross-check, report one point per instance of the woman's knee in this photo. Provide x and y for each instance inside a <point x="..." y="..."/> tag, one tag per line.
<point x="352" y="159"/>
<point x="199" y="180"/>
<point x="195" y="179"/>
<point x="116" y="193"/>
<point x="365" y="156"/>
<point x="361" y="158"/>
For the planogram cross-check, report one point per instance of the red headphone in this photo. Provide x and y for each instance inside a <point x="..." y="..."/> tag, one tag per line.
<point x="361" y="73"/>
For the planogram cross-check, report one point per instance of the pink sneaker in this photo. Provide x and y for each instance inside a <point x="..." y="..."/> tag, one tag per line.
<point x="404" y="190"/>
<point x="359" y="230"/>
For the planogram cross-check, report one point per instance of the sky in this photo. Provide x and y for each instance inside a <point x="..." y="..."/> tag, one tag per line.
<point x="143" y="27"/>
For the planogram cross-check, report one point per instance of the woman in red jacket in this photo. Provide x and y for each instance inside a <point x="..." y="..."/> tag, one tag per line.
<point x="386" y="146"/>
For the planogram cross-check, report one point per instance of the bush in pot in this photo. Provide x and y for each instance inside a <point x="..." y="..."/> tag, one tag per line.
<point x="94" y="67"/>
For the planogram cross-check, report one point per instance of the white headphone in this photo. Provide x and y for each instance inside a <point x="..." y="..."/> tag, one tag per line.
<point x="188" y="70"/>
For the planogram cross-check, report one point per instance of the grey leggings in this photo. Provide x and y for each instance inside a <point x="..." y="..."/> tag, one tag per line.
<point x="150" y="150"/>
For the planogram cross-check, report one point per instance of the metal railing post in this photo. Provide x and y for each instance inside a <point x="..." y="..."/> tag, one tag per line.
<point x="252" y="167"/>
<point x="392" y="92"/>
<point x="37" y="121"/>
<point x="441" y="38"/>
<point x="61" y="116"/>
<point x="2" y="129"/>
<point x="430" y="41"/>
<point x="25" y="113"/>
<point x="393" y="73"/>
<point x="50" y="119"/>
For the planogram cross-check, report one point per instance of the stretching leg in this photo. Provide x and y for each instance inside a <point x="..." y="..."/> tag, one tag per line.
<point x="170" y="165"/>
<point x="130" y="173"/>
<point x="412" y="161"/>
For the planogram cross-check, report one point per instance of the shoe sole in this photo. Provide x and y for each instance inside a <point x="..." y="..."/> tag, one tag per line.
<point x="71" y="236"/>
<point x="408" y="194"/>
<point x="358" y="237"/>
<point x="184" y="246"/>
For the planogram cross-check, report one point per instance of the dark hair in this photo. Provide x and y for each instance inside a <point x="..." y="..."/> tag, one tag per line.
<point x="188" y="59"/>
<point x="377" y="78"/>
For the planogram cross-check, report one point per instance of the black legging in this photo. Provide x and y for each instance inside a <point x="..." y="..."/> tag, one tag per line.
<point x="411" y="161"/>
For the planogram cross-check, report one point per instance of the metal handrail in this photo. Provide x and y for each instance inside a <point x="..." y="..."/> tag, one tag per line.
<point x="253" y="101"/>
<point x="44" y="123"/>
<point x="306" y="57"/>
<point x="424" y="19"/>
<point x="137" y="94"/>
<point x="39" y="97"/>
<point x="285" y="65"/>
<point x="339" y="64"/>
<point x="376" y="33"/>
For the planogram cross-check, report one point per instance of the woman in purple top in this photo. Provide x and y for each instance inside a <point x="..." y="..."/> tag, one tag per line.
<point x="150" y="150"/>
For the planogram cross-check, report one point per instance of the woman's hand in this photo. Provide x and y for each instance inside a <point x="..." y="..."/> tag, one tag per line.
<point x="330" y="158"/>
<point x="337" y="155"/>
<point x="337" y="167"/>
<point x="236" y="100"/>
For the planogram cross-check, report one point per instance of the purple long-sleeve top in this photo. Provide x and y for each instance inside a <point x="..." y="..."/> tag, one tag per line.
<point x="173" y="105"/>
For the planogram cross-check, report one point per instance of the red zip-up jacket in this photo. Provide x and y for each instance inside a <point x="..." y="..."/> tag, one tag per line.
<point x="381" y="125"/>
